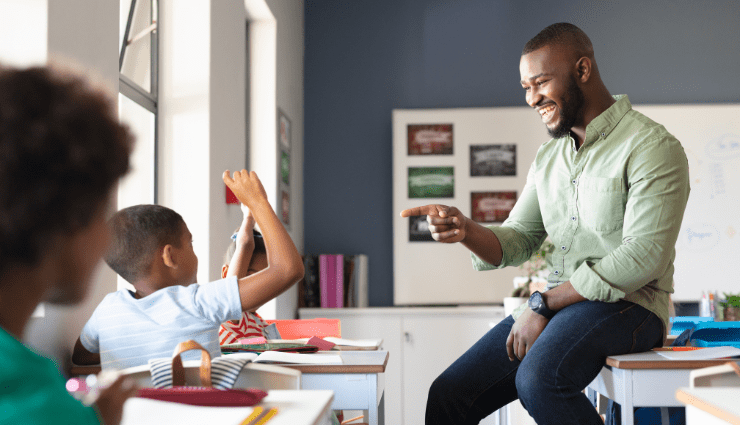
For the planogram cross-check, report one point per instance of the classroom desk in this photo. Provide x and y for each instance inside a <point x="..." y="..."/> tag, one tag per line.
<point x="294" y="408"/>
<point x="358" y="383"/>
<point x="710" y="406"/>
<point x="644" y="380"/>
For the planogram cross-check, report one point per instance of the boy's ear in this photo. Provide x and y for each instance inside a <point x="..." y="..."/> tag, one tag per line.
<point x="168" y="257"/>
<point x="224" y="270"/>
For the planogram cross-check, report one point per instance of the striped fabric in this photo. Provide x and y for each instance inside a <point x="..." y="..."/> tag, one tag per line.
<point x="224" y="371"/>
<point x="250" y="325"/>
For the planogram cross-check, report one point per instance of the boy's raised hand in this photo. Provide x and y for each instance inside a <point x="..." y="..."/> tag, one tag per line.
<point x="246" y="186"/>
<point x="447" y="224"/>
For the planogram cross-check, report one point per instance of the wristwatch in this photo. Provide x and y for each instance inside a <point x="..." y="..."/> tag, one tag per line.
<point x="537" y="304"/>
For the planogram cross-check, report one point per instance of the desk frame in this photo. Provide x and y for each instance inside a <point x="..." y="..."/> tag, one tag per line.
<point x="358" y="383"/>
<point x="644" y="380"/>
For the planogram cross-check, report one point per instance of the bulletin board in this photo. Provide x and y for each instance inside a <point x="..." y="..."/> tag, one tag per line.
<point x="477" y="160"/>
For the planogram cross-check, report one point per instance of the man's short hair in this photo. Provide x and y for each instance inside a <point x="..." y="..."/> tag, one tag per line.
<point x="139" y="232"/>
<point x="564" y="34"/>
<point x="62" y="149"/>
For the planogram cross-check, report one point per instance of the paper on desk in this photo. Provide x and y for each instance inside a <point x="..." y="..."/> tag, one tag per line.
<point x="143" y="411"/>
<point x="703" y="354"/>
<point x="295" y="358"/>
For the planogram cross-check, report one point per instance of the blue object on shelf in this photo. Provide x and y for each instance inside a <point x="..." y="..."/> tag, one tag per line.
<point x="681" y="323"/>
<point x="716" y="334"/>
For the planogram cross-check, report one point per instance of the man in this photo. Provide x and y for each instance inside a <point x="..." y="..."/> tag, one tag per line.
<point x="610" y="191"/>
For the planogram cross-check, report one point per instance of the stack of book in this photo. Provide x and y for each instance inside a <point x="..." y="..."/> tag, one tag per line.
<point x="334" y="281"/>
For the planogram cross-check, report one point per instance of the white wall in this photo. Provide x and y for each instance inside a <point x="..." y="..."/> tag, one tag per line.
<point x="86" y="32"/>
<point x="203" y="114"/>
<point x="289" y="85"/>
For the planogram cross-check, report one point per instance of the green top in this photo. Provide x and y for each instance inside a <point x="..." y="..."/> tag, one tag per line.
<point x="33" y="392"/>
<point x="613" y="209"/>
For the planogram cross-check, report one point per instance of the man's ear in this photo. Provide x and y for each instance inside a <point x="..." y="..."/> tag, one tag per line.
<point x="168" y="257"/>
<point x="224" y="270"/>
<point x="584" y="66"/>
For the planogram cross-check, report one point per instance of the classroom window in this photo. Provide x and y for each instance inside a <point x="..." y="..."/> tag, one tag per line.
<point x="138" y="100"/>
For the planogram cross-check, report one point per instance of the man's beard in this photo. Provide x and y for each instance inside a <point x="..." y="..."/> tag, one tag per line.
<point x="570" y="111"/>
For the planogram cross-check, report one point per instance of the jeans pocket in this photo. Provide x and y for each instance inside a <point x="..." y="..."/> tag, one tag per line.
<point x="644" y="336"/>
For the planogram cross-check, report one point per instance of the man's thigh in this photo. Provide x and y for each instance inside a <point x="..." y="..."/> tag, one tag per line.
<point x="576" y="342"/>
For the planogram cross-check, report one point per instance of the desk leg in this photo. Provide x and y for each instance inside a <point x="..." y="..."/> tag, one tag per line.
<point x="628" y="407"/>
<point x="373" y="402"/>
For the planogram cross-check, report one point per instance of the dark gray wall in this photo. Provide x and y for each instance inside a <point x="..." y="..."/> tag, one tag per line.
<point x="365" y="58"/>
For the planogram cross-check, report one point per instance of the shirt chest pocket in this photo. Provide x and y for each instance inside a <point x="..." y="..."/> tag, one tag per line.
<point x="601" y="202"/>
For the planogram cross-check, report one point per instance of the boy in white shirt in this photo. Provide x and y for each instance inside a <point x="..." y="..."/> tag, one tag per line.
<point x="153" y="250"/>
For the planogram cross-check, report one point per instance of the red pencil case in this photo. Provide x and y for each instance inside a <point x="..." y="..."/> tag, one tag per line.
<point x="205" y="396"/>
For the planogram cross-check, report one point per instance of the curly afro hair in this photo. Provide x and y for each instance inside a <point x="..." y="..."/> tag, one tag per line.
<point x="62" y="150"/>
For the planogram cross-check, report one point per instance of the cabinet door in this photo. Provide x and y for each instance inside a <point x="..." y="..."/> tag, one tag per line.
<point x="432" y="343"/>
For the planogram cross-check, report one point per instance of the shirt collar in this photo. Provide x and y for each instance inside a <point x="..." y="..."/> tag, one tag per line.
<point x="602" y="125"/>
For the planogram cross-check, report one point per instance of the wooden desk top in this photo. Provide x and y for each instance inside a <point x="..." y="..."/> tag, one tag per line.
<point x="721" y="402"/>
<point x="653" y="360"/>
<point x="352" y="362"/>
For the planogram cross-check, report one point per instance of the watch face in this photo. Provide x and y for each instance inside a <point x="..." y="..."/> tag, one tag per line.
<point x="535" y="301"/>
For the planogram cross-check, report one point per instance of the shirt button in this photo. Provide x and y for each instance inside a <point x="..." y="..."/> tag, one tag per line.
<point x="603" y="134"/>
<point x="573" y="218"/>
<point x="557" y="272"/>
<point x="573" y="181"/>
<point x="563" y="248"/>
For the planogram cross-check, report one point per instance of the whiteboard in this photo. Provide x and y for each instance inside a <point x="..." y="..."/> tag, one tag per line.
<point x="432" y="273"/>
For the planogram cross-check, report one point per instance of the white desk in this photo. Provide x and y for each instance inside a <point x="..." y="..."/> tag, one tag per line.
<point x="294" y="408"/>
<point x="358" y="383"/>
<point x="710" y="406"/>
<point x="644" y="380"/>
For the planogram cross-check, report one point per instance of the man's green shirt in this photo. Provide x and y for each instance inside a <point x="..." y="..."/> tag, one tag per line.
<point x="613" y="209"/>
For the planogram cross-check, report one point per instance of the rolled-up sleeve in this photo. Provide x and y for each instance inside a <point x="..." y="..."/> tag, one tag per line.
<point x="658" y="190"/>
<point x="523" y="231"/>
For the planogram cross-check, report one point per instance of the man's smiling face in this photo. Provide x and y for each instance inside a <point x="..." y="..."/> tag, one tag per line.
<point x="551" y="88"/>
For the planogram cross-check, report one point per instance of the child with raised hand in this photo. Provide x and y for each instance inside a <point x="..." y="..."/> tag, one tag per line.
<point x="247" y="247"/>
<point x="152" y="249"/>
<point x="62" y="151"/>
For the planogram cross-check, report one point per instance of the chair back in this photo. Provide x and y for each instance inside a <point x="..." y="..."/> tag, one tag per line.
<point x="307" y="328"/>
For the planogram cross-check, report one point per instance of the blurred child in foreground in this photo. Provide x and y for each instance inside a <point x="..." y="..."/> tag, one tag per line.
<point x="62" y="150"/>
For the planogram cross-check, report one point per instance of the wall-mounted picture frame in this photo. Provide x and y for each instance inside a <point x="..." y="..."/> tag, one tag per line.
<point x="431" y="182"/>
<point x="419" y="229"/>
<point x="284" y="165"/>
<point x="430" y="139"/>
<point x="491" y="207"/>
<point x="283" y="130"/>
<point x="492" y="160"/>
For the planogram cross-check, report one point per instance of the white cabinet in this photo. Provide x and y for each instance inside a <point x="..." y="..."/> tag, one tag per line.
<point x="422" y="343"/>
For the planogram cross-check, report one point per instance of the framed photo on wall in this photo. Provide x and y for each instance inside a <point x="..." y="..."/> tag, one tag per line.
<point x="431" y="182"/>
<point x="492" y="160"/>
<point x="284" y="165"/>
<point x="430" y="139"/>
<point x="491" y="207"/>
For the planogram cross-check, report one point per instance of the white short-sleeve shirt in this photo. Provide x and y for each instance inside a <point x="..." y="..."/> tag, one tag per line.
<point x="128" y="332"/>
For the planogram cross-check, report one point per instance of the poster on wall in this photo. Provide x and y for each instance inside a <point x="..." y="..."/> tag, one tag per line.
<point x="492" y="160"/>
<point x="431" y="182"/>
<point x="491" y="207"/>
<point x="283" y="169"/>
<point x="285" y="207"/>
<point x="430" y="139"/>
<point x="419" y="229"/>
<point x="283" y="130"/>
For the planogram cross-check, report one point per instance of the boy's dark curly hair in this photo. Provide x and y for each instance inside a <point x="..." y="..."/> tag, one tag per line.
<point x="62" y="149"/>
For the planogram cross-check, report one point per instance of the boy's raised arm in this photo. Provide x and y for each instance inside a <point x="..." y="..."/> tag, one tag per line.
<point x="239" y="264"/>
<point x="284" y="264"/>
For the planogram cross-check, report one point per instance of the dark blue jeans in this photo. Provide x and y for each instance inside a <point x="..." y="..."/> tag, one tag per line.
<point x="549" y="382"/>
